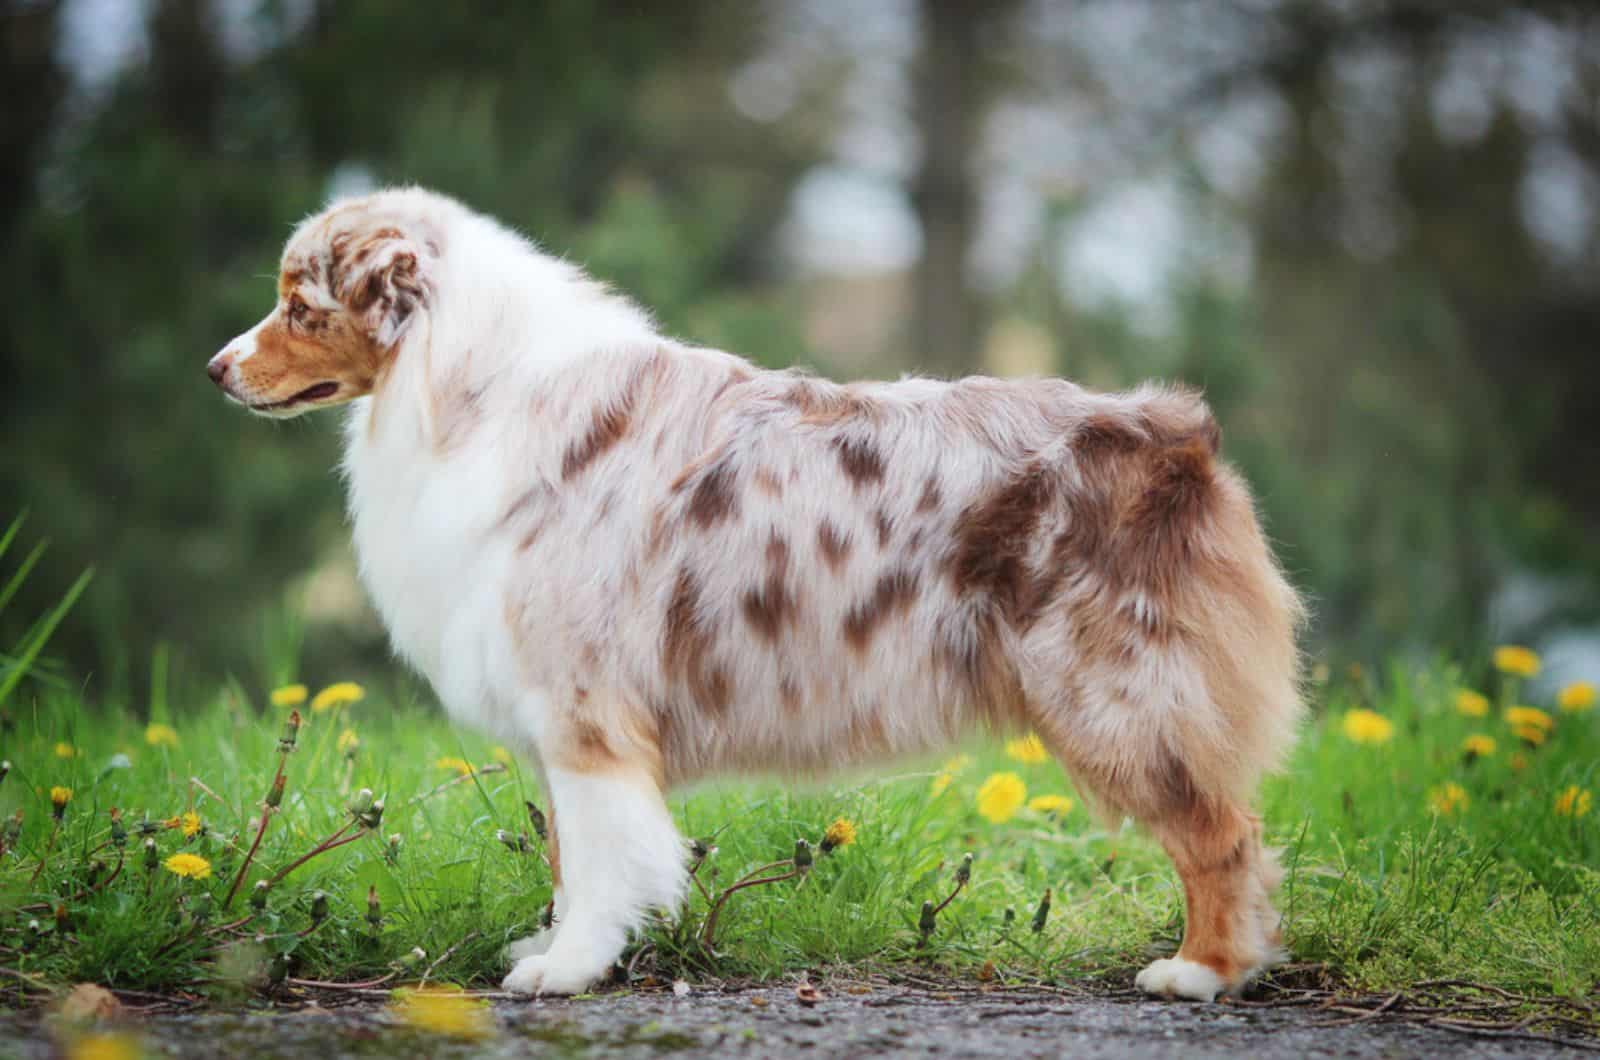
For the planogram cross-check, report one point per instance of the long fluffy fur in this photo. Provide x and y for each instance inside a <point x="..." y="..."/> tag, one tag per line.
<point x="646" y="562"/>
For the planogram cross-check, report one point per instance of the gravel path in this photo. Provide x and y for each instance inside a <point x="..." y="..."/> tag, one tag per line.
<point x="770" y="1022"/>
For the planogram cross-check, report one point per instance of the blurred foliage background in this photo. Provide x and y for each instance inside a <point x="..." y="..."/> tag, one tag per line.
<point x="1367" y="228"/>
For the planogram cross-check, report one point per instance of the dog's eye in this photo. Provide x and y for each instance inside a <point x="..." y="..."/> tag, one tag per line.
<point x="298" y="309"/>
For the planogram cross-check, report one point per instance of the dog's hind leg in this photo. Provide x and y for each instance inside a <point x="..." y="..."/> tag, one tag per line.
<point x="1231" y="929"/>
<point x="620" y="857"/>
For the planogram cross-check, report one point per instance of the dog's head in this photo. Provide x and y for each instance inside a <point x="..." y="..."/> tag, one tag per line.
<point x="352" y="281"/>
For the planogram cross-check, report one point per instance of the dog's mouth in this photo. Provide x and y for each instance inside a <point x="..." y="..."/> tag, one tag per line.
<point x="315" y="392"/>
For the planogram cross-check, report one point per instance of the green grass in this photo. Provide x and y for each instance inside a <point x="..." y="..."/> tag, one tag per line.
<point x="1380" y="890"/>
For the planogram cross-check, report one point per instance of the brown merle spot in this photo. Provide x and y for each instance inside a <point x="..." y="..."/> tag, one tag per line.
<point x="713" y="498"/>
<point x="893" y="594"/>
<point x="768" y="482"/>
<point x="834" y="546"/>
<point x="993" y="539"/>
<point x="885" y="528"/>
<point x="686" y="646"/>
<point x="533" y="510"/>
<point x="931" y="496"/>
<point x="606" y="428"/>
<point x="978" y="660"/>
<point x="768" y="606"/>
<point x="860" y="460"/>
<point x="734" y="378"/>
<point x="1104" y="435"/>
<point x="822" y="403"/>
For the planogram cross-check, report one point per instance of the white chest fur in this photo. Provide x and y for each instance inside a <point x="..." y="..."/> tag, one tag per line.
<point x="427" y="555"/>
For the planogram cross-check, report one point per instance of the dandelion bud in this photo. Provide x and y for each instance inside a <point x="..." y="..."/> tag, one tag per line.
<point x="701" y="849"/>
<point x="63" y="920"/>
<point x="12" y="828"/>
<point x="278" y="970"/>
<point x="200" y="907"/>
<point x="372" y="816"/>
<point x="414" y="958"/>
<point x="291" y="733"/>
<point x="1041" y="914"/>
<point x="391" y="851"/>
<point x="964" y="871"/>
<point x="547" y="915"/>
<point x="152" y="856"/>
<point x="802" y="856"/>
<point x="1010" y="918"/>
<point x="374" y="909"/>
<point x="119" y="831"/>
<point x="506" y="838"/>
<point x="35" y="932"/>
<point x="541" y="827"/>
<point x="275" y="793"/>
<point x="925" y="922"/>
<point x="319" y="907"/>
<point x="59" y="797"/>
<point x="258" y="896"/>
<point x="5" y="767"/>
<point x="148" y="827"/>
<point x="362" y="802"/>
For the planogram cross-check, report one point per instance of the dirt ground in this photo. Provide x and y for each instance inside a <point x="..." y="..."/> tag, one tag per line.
<point x="855" y="1021"/>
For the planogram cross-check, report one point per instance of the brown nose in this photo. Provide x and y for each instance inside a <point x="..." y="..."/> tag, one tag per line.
<point x="217" y="368"/>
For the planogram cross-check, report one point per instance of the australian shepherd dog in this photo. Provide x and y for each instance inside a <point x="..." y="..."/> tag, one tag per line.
<point x="643" y="562"/>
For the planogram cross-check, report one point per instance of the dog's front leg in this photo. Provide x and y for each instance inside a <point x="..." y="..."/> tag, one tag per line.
<point x="620" y="858"/>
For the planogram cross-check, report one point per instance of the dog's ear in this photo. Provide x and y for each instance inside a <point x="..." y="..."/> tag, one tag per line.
<point x="380" y="277"/>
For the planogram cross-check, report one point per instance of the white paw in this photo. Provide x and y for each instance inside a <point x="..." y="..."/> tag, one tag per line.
<point x="540" y="975"/>
<point x="1176" y="977"/>
<point x="532" y="946"/>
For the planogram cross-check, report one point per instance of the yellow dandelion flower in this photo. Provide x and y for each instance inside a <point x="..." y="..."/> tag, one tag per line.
<point x="442" y="1011"/>
<point x="1054" y="805"/>
<point x="103" y="1047"/>
<point x="1471" y="704"/>
<point x="190" y="823"/>
<point x="841" y="833"/>
<point x="957" y="764"/>
<point x="1578" y="697"/>
<point x="501" y="755"/>
<point x="1530" y="716"/>
<point x="66" y="750"/>
<point x="460" y="765"/>
<point x="347" y="742"/>
<point x="1518" y="761"/>
<point x="941" y="784"/>
<point x="1531" y="735"/>
<point x="189" y="866"/>
<point x="59" y="797"/>
<point x="1367" y="726"/>
<point x="1530" y="724"/>
<point x="1574" y="801"/>
<point x="288" y="696"/>
<point x="1001" y="796"/>
<point x="1029" y="750"/>
<point x="1516" y="660"/>
<point x="337" y="695"/>
<point x="159" y="735"/>
<point x="1447" y="798"/>
<point x="1478" y="745"/>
